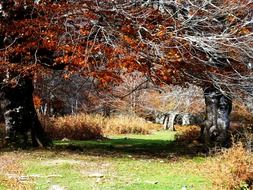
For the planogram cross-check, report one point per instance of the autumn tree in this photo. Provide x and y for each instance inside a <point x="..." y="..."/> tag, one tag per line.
<point x="206" y="43"/>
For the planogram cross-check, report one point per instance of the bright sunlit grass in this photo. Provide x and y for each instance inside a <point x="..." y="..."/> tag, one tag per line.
<point x="127" y="162"/>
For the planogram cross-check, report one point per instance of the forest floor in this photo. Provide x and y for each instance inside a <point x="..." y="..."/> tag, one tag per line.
<point x="121" y="162"/>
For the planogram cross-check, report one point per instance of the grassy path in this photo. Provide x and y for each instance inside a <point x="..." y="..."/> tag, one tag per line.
<point x="127" y="162"/>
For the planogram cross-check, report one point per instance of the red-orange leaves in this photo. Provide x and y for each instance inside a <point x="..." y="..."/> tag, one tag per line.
<point x="245" y="30"/>
<point x="63" y="59"/>
<point x="174" y="55"/>
<point x="49" y="44"/>
<point x="79" y="61"/>
<point x="37" y="101"/>
<point x="128" y="29"/>
<point x="163" y="75"/>
<point x="90" y="15"/>
<point x="130" y="64"/>
<point x="84" y="32"/>
<point x="130" y="41"/>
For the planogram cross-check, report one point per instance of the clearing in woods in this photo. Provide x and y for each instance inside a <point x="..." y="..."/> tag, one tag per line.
<point x="126" y="162"/>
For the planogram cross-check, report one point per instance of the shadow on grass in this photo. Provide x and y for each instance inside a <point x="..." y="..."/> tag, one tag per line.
<point x="120" y="147"/>
<point x="159" y="145"/>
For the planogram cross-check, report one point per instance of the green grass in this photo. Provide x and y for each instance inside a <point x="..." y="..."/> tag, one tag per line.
<point x="122" y="162"/>
<point x="152" y="174"/>
<point x="160" y="135"/>
<point x="2" y="187"/>
<point x="159" y="144"/>
<point x="117" y="173"/>
<point x="64" y="175"/>
<point x="125" y="142"/>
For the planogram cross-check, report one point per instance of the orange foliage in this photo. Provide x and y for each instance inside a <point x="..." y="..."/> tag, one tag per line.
<point x="37" y="101"/>
<point x="92" y="38"/>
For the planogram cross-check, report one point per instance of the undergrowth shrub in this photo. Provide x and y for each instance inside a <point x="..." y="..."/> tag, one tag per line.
<point x="241" y="114"/>
<point x="125" y="124"/>
<point x="73" y="127"/>
<point x="187" y="133"/>
<point x="88" y="126"/>
<point x="230" y="169"/>
<point x="243" y="134"/>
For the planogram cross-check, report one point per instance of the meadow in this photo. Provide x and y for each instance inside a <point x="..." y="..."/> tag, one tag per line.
<point x="124" y="160"/>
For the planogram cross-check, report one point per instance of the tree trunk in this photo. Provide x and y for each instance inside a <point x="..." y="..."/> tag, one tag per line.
<point x="170" y="124"/>
<point x="215" y="127"/>
<point x="19" y="113"/>
<point x="186" y="119"/>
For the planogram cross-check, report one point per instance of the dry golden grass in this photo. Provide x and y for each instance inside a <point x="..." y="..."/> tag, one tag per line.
<point x="89" y="126"/>
<point x="11" y="173"/>
<point x="240" y="113"/>
<point x="242" y="133"/>
<point x="124" y="124"/>
<point x="78" y="127"/>
<point x="187" y="133"/>
<point x="230" y="169"/>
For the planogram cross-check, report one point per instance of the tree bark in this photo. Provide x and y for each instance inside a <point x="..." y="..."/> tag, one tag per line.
<point x="170" y="124"/>
<point x="21" y="120"/>
<point x="214" y="129"/>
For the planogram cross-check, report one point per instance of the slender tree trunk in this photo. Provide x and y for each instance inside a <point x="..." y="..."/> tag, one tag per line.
<point x="19" y="113"/>
<point x="171" y="121"/>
